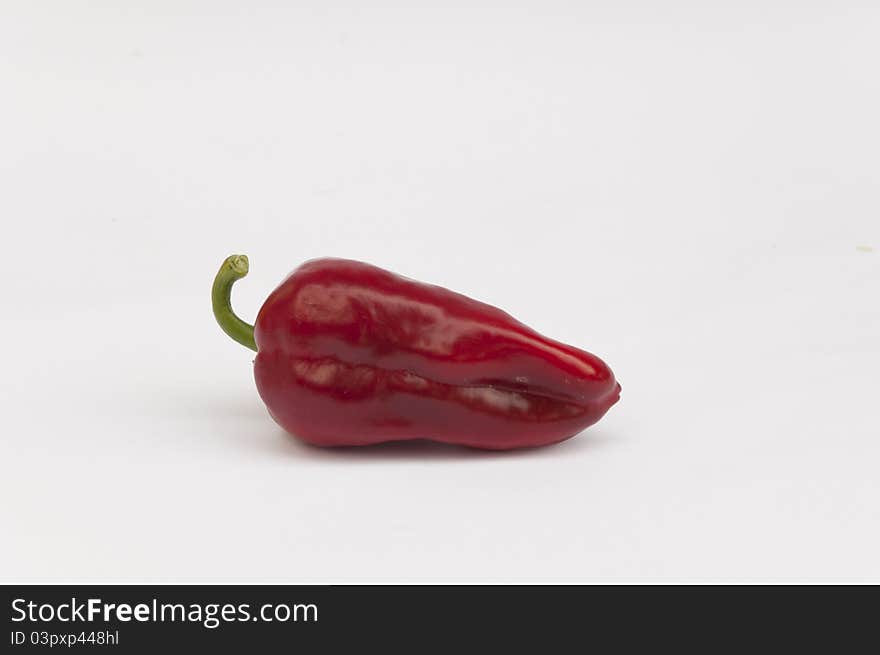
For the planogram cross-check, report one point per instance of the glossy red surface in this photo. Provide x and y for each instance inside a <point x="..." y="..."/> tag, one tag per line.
<point x="351" y="354"/>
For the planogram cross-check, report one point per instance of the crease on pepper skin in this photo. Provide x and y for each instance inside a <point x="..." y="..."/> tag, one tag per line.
<point x="350" y="354"/>
<point x="351" y="383"/>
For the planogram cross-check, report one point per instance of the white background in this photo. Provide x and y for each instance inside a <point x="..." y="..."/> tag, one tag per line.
<point x="690" y="190"/>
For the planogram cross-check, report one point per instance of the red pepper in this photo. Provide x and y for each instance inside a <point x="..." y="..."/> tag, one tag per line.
<point x="349" y="354"/>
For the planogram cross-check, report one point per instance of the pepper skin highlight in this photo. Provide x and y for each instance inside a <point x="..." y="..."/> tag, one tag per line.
<point x="349" y="354"/>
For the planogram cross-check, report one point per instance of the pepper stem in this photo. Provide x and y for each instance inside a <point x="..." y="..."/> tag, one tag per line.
<point x="234" y="268"/>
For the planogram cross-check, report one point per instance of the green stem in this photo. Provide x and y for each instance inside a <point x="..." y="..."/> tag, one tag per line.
<point x="234" y="268"/>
